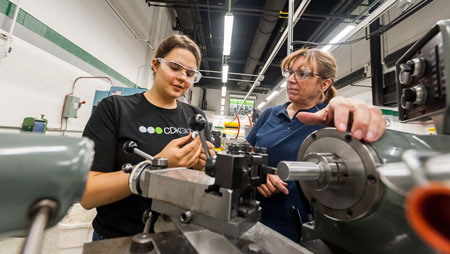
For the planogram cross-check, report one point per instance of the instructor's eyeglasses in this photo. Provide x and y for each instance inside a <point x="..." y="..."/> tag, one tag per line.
<point x="176" y="69"/>
<point x="300" y="74"/>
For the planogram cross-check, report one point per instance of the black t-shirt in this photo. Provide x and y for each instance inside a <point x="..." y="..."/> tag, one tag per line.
<point x="116" y="120"/>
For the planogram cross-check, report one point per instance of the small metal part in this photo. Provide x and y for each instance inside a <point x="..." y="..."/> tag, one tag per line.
<point x="127" y="168"/>
<point x="405" y="74"/>
<point x="186" y="217"/>
<point x="160" y="163"/>
<point x="413" y="95"/>
<point x="129" y="146"/>
<point x="419" y="66"/>
<point x="143" y="244"/>
<point x="134" y="179"/>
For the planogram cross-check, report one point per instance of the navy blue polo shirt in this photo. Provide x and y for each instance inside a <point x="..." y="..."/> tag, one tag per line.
<point x="282" y="136"/>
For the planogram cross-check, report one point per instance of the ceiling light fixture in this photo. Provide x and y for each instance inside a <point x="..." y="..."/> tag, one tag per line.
<point x="228" y="30"/>
<point x="283" y="85"/>
<point x="273" y="94"/>
<point x="225" y="73"/>
<point x="262" y="104"/>
<point x="338" y="37"/>
<point x="222" y="101"/>
<point x="224" y="90"/>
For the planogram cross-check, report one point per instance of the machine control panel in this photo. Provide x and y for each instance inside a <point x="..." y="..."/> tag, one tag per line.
<point x="421" y="76"/>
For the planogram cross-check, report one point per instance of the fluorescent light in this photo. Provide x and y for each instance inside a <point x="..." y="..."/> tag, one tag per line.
<point x="221" y="112"/>
<point x="228" y="30"/>
<point x="283" y="85"/>
<point x="224" y="91"/>
<point x="338" y="37"/>
<point x="273" y="94"/>
<point x="222" y="101"/>
<point x="225" y="73"/>
<point x="222" y="108"/>
<point x="262" y="104"/>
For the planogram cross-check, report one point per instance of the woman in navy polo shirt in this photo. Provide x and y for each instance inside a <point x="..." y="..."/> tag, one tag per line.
<point x="281" y="129"/>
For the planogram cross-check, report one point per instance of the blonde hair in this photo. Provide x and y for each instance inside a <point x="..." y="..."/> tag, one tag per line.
<point x="324" y="62"/>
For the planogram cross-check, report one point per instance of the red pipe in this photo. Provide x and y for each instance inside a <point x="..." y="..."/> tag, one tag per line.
<point x="239" y="125"/>
<point x="250" y="120"/>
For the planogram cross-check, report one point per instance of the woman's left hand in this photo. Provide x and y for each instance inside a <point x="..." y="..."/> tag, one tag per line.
<point x="368" y="121"/>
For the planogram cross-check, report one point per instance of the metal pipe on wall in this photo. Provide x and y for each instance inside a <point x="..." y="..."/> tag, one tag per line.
<point x="147" y="42"/>
<point x="290" y="47"/>
<point x="296" y="17"/>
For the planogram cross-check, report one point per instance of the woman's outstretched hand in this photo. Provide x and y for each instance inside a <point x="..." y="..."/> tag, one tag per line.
<point x="368" y="122"/>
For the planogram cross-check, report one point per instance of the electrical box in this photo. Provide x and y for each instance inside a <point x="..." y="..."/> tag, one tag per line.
<point x="71" y="106"/>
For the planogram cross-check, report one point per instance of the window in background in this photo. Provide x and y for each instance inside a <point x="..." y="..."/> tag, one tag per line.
<point x="236" y="102"/>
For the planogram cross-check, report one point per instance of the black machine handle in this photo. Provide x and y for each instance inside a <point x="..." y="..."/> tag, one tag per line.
<point x="131" y="147"/>
<point x="197" y="123"/>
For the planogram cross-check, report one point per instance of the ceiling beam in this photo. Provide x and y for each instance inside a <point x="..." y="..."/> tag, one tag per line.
<point x="243" y="10"/>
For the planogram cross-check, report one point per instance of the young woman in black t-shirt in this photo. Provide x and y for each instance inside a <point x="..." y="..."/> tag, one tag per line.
<point x="117" y="119"/>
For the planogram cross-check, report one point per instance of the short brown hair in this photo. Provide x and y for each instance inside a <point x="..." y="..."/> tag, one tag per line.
<point x="179" y="41"/>
<point x="324" y="62"/>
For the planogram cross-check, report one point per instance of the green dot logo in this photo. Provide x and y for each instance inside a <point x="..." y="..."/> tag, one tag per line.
<point x="158" y="130"/>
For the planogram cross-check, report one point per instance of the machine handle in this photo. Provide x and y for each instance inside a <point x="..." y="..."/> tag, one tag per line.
<point x="197" y="123"/>
<point x="131" y="147"/>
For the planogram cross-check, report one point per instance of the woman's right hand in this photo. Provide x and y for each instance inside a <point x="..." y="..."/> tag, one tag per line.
<point x="187" y="156"/>
<point x="273" y="185"/>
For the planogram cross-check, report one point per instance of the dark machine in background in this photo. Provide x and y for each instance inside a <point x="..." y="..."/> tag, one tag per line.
<point x="217" y="138"/>
<point x="422" y="78"/>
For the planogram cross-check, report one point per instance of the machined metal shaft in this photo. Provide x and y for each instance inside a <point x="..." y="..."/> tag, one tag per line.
<point x="298" y="170"/>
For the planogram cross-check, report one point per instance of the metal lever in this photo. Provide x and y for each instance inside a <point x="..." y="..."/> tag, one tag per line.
<point x="197" y="123"/>
<point x="131" y="147"/>
<point x="41" y="213"/>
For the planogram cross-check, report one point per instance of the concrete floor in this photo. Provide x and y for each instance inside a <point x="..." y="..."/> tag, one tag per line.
<point x="13" y="245"/>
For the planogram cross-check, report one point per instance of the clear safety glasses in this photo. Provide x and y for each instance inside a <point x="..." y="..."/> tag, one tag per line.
<point x="176" y="69"/>
<point x="300" y="74"/>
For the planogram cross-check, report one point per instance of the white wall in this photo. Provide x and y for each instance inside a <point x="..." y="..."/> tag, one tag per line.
<point x="93" y="26"/>
<point x="414" y="27"/>
<point x="34" y="81"/>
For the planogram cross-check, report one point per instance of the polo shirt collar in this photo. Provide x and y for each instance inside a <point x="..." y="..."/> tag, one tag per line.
<point x="283" y="111"/>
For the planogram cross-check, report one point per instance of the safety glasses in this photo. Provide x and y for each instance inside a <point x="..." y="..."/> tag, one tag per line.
<point x="176" y="69"/>
<point x="300" y="74"/>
